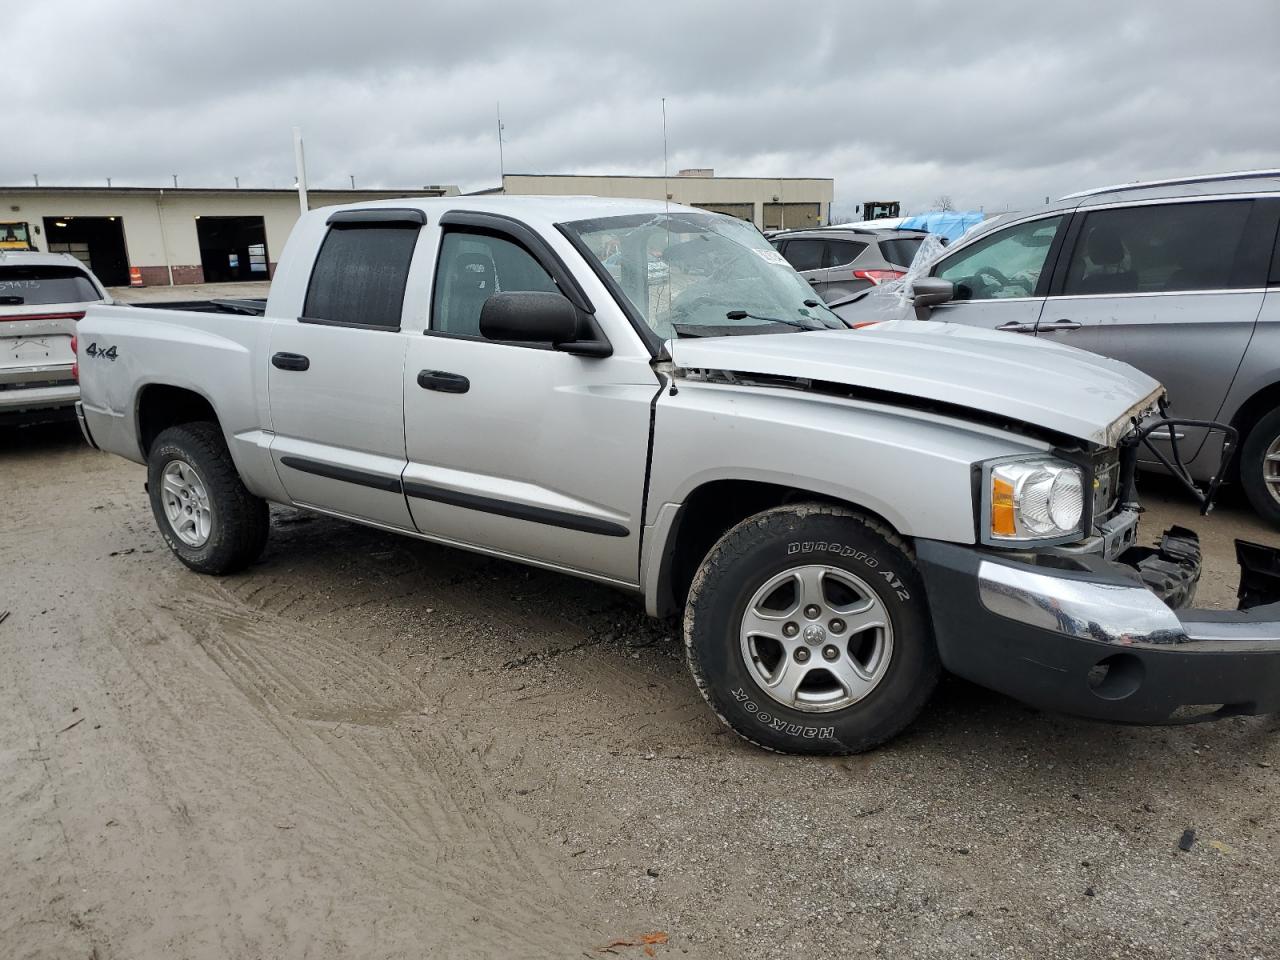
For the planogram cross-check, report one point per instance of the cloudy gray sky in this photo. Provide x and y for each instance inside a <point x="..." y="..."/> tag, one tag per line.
<point x="995" y="104"/>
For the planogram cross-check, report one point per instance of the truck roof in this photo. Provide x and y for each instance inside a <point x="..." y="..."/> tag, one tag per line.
<point x="529" y="208"/>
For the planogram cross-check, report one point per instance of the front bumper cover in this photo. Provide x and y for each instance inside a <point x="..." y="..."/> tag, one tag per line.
<point x="1090" y="637"/>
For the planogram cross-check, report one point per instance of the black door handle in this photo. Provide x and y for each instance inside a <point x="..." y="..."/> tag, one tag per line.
<point x="290" y="361"/>
<point x="443" y="382"/>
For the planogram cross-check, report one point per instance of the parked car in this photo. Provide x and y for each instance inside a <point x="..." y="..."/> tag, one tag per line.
<point x="839" y="515"/>
<point x="42" y="295"/>
<point x="840" y="262"/>
<point x="1179" y="278"/>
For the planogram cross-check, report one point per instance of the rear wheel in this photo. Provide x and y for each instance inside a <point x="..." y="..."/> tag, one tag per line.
<point x="807" y="631"/>
<point x="206" y="515"/>
<point x="1260" y="467"/>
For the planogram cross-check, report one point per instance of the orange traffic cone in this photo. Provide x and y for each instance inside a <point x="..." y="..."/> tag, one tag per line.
<point x="135" y="276"/>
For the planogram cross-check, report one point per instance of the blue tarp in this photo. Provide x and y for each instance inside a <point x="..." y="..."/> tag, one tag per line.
<point x="949" y="224"/>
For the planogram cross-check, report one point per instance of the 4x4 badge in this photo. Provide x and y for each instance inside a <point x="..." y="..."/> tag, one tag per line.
<point x="94" y="350"/>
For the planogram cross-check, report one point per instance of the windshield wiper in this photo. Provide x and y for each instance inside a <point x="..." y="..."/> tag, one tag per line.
<point x="743" y="315"/>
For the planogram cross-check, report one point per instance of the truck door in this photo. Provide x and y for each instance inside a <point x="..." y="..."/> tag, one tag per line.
<point x="520" y="449"/>
<point x="1001" y="278"/>
<point x="335" y="372"/>
<point x="1173" y="288"/>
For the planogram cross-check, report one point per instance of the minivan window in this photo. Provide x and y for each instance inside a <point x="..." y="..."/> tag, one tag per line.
<point x="45" y="284"/>
<point x="1159" y="248"/>
<point x="1005" y="264"/>
<point x="472" y="268"/>
<point x="360" y="274"/>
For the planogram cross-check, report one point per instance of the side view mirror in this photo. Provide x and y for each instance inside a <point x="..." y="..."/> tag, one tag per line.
<point x="536" y="317"/>
<point x="929" y="291"/>
<point x="529" y="317"/>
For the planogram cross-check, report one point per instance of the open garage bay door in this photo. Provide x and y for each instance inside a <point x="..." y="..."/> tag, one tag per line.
<point x="232" y="248"/>
<point x="97" y="242"/>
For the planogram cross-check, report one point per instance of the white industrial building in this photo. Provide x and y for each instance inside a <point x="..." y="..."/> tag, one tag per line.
<point x="771" y="203"/>
<point x="210" y="235"/>
<point x="186" y="235"/>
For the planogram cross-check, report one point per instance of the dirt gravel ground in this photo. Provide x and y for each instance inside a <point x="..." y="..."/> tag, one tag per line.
<point x="367" y="746"/>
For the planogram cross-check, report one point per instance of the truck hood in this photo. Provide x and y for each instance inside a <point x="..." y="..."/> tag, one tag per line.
<point x="1015" y="377"/>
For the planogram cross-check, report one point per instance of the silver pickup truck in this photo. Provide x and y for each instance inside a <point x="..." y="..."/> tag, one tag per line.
<point x="647" y="395"/>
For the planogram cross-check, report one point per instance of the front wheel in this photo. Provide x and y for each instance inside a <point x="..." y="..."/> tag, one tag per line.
<point x="807" y="631"/>
<point x="1260" y="467"/>
<point x="206" y="515"/>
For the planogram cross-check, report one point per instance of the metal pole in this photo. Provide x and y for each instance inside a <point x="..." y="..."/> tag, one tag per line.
<point x="164" y="239"/>
<point x="237" y="183"/>
<point x="108" y="183"/>
<point x="502" y="165"/>
<point x="36" y="178"/>
<point x="175" y="181"/>
<point x="353" y="180"/>
<point x="300" y="161"/>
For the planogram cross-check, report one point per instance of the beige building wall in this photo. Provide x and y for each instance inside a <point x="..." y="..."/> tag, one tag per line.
<point x="789" y="201"/>
<point x="160" y="224"/>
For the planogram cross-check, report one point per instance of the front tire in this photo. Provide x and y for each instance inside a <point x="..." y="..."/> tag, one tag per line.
<point x="209" y="519"/>
<point x="1259" y="474"/>
<point x="807" y="631"/>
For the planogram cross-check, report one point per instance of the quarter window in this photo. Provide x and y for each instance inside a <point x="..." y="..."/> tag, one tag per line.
<point x="1006" y="264"/>
<point x="472" y="268"/>
<point x="360" y="275"/>
<point x="1159" y="248"/>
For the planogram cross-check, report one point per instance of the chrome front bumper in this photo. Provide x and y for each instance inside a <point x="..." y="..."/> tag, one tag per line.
<point x="1095" y="641"/>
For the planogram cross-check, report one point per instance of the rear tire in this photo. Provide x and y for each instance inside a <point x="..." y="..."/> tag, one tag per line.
<point x="819" y="593"/>
<point x="1255" y="469"/>
<point x="209" y="519"/>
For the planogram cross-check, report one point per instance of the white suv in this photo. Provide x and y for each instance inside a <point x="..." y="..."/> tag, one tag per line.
<point x="42" y="295"/>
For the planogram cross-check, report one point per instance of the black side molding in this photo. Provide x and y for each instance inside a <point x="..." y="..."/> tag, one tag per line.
<point x="345" y="474"/>
<point x="379" y="215"/>
<point x="518" y="511"/>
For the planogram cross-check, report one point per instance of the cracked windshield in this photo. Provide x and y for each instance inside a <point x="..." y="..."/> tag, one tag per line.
<point x="702" y="275"/>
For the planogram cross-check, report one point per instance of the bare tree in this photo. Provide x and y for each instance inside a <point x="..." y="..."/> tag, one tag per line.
<point x="944" y="203"/>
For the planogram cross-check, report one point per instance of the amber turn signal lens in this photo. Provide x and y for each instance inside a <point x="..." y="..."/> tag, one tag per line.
<point x="1003" y="523"/>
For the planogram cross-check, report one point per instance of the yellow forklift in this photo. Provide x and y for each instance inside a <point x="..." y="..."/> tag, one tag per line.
<point x="15" y="235"/>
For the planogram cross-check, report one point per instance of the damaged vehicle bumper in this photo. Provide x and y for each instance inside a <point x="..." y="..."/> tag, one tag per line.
<point x="1096" y="638"/>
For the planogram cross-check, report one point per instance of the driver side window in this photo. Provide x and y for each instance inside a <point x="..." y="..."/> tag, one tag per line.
<point x="1006" y="264"/>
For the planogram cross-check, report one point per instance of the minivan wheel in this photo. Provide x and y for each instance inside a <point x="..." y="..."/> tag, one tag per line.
<point x="206" y="515"/>
<point x="807" y="631"/>
<point x="1260" y="467"/>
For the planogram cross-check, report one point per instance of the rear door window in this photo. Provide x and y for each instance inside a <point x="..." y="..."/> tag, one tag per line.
<point x="806" y="254"/>
<point x="1163" y="248"/>
<point x="1006" y="264"/>
<point x="842" y="252"/>
<point x="900" y="250"/>
<point x="31" y="285"/>
<point x="360" y="274"/>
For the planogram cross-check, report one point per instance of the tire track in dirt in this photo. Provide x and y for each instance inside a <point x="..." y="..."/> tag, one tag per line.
<point x="338" y="711"/>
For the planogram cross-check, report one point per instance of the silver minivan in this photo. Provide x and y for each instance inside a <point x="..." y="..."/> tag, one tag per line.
<point x="1180" y="278"/>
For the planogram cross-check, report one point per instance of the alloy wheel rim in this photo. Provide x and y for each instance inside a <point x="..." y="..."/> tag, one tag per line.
<point x="1271" y="469"/>
<point x="186" y="503"/>
<point x="816" y="638"/>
